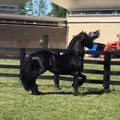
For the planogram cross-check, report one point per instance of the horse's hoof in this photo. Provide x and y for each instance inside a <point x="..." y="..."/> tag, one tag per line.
<point x="73" y="85"/>
<point x="81" y="94"/>
<point x="76" y="94"/>
<point x="36" y="93"/>
<point x="58" y="88"/>
<point x="106" y="90"/>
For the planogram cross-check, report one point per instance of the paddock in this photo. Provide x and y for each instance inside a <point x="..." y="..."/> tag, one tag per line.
<point x="60" y="104"/>
<point x="106" y="64"/>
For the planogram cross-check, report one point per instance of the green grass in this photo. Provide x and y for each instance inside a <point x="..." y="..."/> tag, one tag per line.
<point x="17" y="104"/>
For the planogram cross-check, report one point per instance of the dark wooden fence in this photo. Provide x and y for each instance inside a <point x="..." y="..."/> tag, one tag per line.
<point x="21" y="53"/>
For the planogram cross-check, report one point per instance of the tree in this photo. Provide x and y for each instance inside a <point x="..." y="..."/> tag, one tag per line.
<point x="34" y="7"/>
<point x="57" y="11"/>
<point x="22" y="10"/>
<point x="39" y="7"/>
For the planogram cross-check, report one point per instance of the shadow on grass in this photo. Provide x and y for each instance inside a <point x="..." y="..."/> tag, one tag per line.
<point x="94" y="91"/>
<point x="88" y="91"/>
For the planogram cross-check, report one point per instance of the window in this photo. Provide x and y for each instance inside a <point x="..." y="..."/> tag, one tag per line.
<point x="94" y="12"/>
<point x="8" y="8"/>
<point x="110" y="12"/>
<point x="118" y="12"/>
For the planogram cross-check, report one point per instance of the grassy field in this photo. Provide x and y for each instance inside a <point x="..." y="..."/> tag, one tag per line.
<point x="17" y="104"/>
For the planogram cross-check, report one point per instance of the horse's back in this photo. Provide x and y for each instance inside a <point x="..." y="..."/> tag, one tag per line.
<point x="41" y="58"/>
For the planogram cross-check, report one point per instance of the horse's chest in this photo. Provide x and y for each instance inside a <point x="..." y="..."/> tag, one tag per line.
<point x="76" y="62"/>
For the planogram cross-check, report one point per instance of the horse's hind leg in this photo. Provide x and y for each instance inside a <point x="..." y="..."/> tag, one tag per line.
<point x="34" y="87"/>
<point x="36" y="73"/>
<point x="35" y="90"/>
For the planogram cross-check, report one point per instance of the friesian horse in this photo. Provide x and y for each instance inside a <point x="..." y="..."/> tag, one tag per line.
<point x="71" y="62"/>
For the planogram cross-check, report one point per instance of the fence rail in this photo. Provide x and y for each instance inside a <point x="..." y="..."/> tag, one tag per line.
<point x="106" y="62"/>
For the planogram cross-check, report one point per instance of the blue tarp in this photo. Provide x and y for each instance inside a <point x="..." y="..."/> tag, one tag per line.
<point x="97" y="47"/>
<point x="94" y="48"/>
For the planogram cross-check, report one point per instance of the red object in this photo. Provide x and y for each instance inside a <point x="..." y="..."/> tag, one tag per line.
<point x="114" y="45"/>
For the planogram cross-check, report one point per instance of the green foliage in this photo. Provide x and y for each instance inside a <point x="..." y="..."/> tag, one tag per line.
<point x="57" y="11"/>
<point x="26" y="9"/>
<point x="42" y="8"/>
<point x="37" y="8"/>
<point x="22" y="10"/>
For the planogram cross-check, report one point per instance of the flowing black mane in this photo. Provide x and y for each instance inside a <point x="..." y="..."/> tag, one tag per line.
<point x="72" y="42"/>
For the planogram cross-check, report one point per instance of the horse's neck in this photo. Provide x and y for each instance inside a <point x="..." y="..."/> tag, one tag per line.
<point x="76" y="47"/>
<point x="70" y="45"/>
<point x="77" y="51"/>
<point x="75" y="44"/>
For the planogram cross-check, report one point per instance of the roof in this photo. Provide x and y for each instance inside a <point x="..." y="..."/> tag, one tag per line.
<point x="13" y="2"/>
<point x="87" y="4"/>
<point x="31" y="20"/>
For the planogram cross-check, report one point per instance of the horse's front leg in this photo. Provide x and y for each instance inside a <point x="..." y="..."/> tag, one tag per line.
<point x="76" y="84"/>
<point x="80" y="82"/>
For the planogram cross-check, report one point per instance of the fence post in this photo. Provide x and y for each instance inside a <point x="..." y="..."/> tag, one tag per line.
<point x="106" y="78"/>
<point x="22" y="60"/>
<point x="56" y="76"/>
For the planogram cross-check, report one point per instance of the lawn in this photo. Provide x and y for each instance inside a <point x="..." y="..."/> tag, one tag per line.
<point x="17" y="104"/>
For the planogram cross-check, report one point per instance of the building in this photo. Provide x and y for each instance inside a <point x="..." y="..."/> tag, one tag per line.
<point x="10" y="6"/>
<point x="28" y="31"/>
<point x="46" y="32"/>
<point x="91" y="15"/>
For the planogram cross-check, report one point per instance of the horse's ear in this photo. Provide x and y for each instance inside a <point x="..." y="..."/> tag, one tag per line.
<point x="98" y="32"/>
<point x="80" y="33"/>
<point x="89" y="33"/>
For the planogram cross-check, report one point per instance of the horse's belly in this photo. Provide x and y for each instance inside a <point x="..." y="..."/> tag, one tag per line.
<point x="65" y="66"/>
<point x="60" y="70"/>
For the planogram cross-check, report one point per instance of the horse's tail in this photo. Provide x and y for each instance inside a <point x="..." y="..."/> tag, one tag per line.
<point x="26" y="74"/>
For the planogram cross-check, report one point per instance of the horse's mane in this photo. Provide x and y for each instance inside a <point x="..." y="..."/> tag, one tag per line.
<point x="74" y="40"/>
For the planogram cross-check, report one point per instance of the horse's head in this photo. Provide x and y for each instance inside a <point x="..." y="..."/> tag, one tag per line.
<point x="82" y="40"/>
<point x="89" y="38"/>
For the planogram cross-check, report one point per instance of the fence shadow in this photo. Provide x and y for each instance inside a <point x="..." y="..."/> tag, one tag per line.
<point x="71" y="93"/>
<point x="88" y="91"/>
<point x="94" y="91"/>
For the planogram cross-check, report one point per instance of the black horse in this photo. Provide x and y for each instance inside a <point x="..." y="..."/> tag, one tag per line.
<point x="71" y="62"/>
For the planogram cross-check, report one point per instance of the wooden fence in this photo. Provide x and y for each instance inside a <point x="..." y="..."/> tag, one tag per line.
<point x="106" y="62"/>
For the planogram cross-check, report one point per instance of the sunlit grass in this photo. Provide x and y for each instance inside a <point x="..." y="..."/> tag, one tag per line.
<point x="9" y="62"/>
<point x="17" y="104"/>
